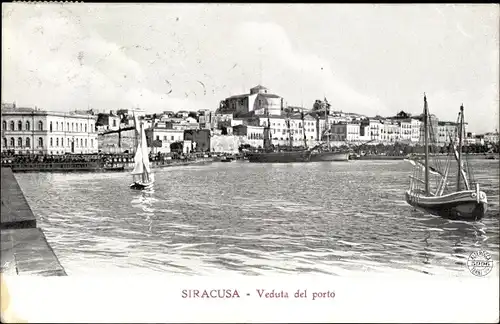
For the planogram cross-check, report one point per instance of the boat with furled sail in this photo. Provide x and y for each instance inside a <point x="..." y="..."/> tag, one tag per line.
<point x="460" y="202"/>
<point x="282" y="155"/>
<point x="142" y="176"/>
<point x="324" y="152"/>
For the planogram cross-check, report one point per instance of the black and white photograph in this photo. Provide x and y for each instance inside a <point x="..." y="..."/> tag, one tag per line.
<point x="253" y="141"/>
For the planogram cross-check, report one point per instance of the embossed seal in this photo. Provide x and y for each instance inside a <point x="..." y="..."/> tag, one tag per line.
<point x="480" y="263"/>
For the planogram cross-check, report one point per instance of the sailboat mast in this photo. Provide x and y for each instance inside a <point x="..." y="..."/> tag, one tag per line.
<point x="460" y="131"/>
<point x="326" y="125"/>
<point x="304" y="128"/>
<point x="426" y="144"/>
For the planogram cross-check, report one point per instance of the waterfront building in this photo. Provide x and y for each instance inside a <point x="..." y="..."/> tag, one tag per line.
<point x="259" y="100"/>
<point x="405" y="130"/>
<point x="491" y="138"/>
<point x="108" y="121"/>
<point x="345" y="131"/>
<point x="446" y="131"/>
<point x="36" y="131"/>
<point x="375" y="129"/>
<point x="416" y="126"/>
<point x="161" y="138"/>
<point x="201" y="138"/>
<point x="249" y="134"/>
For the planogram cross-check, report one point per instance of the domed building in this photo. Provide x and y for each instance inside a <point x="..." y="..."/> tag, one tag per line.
<point x="259" y="101"/>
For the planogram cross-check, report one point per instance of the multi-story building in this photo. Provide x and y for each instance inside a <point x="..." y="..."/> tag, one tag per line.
<point x="163" y="137"/>
<point x="345" y="131"/>
<point x="491" y="137"/>
<point x="416" y="126"/>
<point x="446" y="132"/>
<point x="405" y="130"/>
<point x="375" y="129"/>
<point x="252" y="135"/>
<point x="108" y="121"/>
<point x="35" y="131"/>
<point x="259" y="101"/>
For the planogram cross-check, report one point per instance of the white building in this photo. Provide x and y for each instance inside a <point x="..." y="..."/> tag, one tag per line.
<point x="34" y="131"/>
<point x="165" y="137"/>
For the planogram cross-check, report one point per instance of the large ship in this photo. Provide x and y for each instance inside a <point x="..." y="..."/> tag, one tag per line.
<point x="279" y="157"/>
<point x="284" y="155"/>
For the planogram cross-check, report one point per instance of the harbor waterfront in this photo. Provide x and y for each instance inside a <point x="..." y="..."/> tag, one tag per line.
<point x="331" y="218"/>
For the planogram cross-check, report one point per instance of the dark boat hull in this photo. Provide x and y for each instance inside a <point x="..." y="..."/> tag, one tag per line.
<point x="329" y="156"/>
<point x="280" y="157"/>
<point x="141" y="185"/>
<point x="461" y="205"/>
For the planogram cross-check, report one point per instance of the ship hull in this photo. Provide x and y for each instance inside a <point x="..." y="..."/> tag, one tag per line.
<point x="461" y="205"/>
<point x="279" y="157"/>
<point x="141" y="185"/>
<point x="329" y="156"/>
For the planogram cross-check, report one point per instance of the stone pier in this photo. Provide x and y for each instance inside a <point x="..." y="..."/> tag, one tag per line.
<point x="24" y="248"/>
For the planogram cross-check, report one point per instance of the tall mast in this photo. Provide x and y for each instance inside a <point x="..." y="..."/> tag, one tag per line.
<point x="460" y="131"/>
<point x="426" y="144"/>
<point x="289" y="130"/>
<point x="327" y="128"/>
<point x="304" y="128"/>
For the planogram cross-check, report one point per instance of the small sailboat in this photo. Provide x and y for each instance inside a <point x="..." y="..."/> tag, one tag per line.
<point x="460" y="202"/>
<point x="142" y="176"/>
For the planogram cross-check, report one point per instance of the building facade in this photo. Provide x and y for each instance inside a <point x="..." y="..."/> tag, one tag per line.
<point x="34" y="131"/>
<point x="259" y="100"/>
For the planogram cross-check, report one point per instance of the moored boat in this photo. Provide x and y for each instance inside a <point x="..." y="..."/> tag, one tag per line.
<point x="464" y="201"/>
<point x="329" y="156"/>
<point x="279" y="157"/>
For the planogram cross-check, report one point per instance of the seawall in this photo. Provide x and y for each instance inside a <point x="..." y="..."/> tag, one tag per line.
<point x="25" y="250"/>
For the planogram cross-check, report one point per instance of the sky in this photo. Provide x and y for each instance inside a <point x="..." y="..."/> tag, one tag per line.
<point x="364" y="58"/>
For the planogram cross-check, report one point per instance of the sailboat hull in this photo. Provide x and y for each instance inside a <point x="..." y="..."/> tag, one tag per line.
<point x="461" y="205"/>
<point x="141" y="185"/>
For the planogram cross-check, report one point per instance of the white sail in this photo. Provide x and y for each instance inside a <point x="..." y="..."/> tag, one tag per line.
<point x="145" y="153"/>
<point x="138" y="163"/>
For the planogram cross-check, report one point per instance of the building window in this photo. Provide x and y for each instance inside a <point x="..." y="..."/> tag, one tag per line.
<point x="81" y="142"/>
<point x="40" y="125"/>
<point x="51" y="142"/>
<point x="5" y="142"/>
<point x="11" y="125"/>
<point x="28" y="126"/>
<point x="67" y="127"/>
<point x="91" y="142"/>
<point x="91" y="128"/>
<point x="72" y="127"/>
<point x="20" y="142"/>
<point x="28" y="144"/>
<point x="12" y="142"/>
<point x="62" y="140"/>
<point x="4" y="126"/>
<point x="172" y="137"/>
<point x="85" y="142"/>
<point x="80" y="127"/>
<point x="114" y="122"/>
<point x="40" y="142"/>
<point x="57" y="142"/>
<point x="50" y="127"/>
<point x="85" y="128"/>
<point x="20" y="125"/>
<point x="57" y="126"/>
